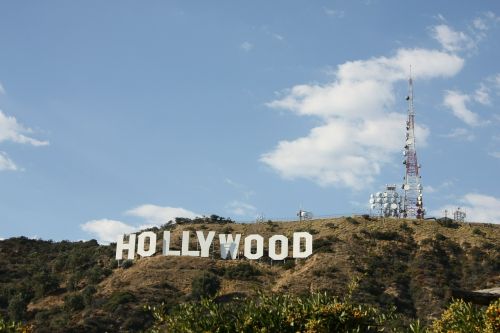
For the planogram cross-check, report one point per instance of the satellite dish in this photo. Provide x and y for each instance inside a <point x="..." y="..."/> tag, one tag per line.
<point x="394" y="206"/>
<point x="406" y="187"/>
<point x="373" y="206"/>
<point x="372" y="201"/>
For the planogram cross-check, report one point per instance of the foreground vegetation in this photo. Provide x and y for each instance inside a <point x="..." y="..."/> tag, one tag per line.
<point x="314" y="313"/>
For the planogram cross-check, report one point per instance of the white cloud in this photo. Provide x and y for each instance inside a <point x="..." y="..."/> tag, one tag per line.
<point x="455" y="41"/>
<point x="241" y="209"/>
<point x="480" y="24"/>
<point x="440" y="187"/>
<point x="482" y="95"/>
<point x="107" y="231"/>
<point x="278" y="36"/>
<point x="478" y="207"/>
<point x="6" y="163"/>
<point x="456" y="101"/>
<point x="485" y="21"/>
<point x="496" y="82"/>
<point x="246" y="46"/>
<point x="158" y="215"/>
<point x="429" y="189"/>
<point x="334" y="12"/>
<point x="359" y="134"/>
<point x="11" y="130"/>
<point x="460" y="134"/>
<point x="427" y="64"/>
<point x="495" y="154"/>
<point x="451" y="40"/>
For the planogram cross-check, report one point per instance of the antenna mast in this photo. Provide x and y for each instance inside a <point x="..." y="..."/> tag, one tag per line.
<point x="412" y="201"/>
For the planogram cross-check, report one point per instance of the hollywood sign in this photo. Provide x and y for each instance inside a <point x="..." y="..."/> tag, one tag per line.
<point x="253" y="245"/>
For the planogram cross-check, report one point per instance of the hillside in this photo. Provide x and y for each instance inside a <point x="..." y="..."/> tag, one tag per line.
<point x="412" y="265"/>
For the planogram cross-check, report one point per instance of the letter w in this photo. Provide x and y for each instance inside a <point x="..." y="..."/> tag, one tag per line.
<point x="229" y="245"/>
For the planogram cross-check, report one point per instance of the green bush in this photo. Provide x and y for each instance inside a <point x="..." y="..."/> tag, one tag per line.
<point x="314" y="313"/>
<point x="289" y="264"/>
<point x="205" y="285"/>
<point x="242" y="271"/>
<point x="119" y="298"/>
<point x="17" y="307"/>
<point x="440" y="237"/>
<point x="88" y="295"/>
<point x="447" y="223"/>
<point x="127" y="264"/>
<point x="477" y="231"/>
<point x="385" y="235"/>
<point x="74" y="302"/>
<point x="13" y="327"/>
<point x="271" y="313"/>
<point x="462" y="317"/>
<point x="44" y="283"/>
<point x="351" y="220"/>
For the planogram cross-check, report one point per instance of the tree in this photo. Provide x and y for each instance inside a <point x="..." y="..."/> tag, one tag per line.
<point x="17" y="307"/>
<point x="205" y="285"/>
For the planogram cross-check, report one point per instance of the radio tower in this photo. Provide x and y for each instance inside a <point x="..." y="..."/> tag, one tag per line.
<point x="412" y="200"/>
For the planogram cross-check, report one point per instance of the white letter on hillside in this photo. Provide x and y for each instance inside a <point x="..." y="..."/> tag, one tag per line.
<point x="297" y="236"/>
<point x="228" y="245"/>
<point x="185" y="246"/>
<point x="248" y="247"/>
<point x="272" y="247"/>
<point x="205" y="242"/>
<point x="130" y="247"/>
<point x="152" y="244"/>
<point x="166" y="245"/>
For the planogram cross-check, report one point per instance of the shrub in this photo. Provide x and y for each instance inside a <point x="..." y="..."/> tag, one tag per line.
<point x="405" y="227"/>
<point x="440" y="237"/>
<point x="447" y="223"/>
<point x="271" y="313"/>
<point x="242" y="271"/>
<point x="461" y="317"/>
<point x="119" y="298"/>
<point x="205" y="285"/>
<point x="289" y="264"/>
<point x="351" y="220"/>
<point x="127" y="263"/>
<point x="13" y="327"/>
<point x="74" y="302"/>
<point x="17" y="307"/>
<point x="385" y="235"/>
<point x="88" y="295"/>
<point x="477" y="231"/>
<point x="44" y="283"/>
<point x="324" y="244"/>
<point x="227" y="230"/>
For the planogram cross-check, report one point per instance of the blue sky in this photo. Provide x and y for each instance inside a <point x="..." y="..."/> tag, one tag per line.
<point x="122" y="114"/>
